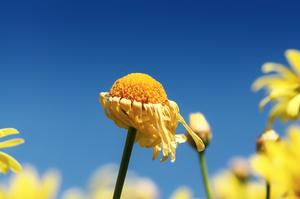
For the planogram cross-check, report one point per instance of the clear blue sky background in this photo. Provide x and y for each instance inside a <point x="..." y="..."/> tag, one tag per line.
<point x="56" y="56"/>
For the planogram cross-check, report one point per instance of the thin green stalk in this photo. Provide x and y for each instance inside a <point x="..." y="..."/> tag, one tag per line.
<point x="124" y="162"/>
<point x="204" y="174"/>
<point x="268" y="190"/>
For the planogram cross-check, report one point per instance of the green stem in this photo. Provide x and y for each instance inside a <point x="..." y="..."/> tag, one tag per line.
<point x="204" y="174"/>
<point x="124" y="162"/>
<point x="268" y="190"/>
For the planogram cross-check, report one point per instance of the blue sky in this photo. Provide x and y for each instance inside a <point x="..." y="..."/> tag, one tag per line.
<point x="56" y="56"/>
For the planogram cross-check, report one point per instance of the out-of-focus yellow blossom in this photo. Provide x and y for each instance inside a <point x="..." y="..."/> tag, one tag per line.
<point x="238" y="183"/>
<point x="227" y="185"/>
<point x="283" y="88"/>
<point x="103" y="182"/>
<point x="139" y="101"/>
<point x="201" y="127"/>
<point x="182" y="193"/>
<point x="279" y="164"/>
<point x="240" y="168"/>
<point x="7" y="162"/>
<point x="28" y="185"/>
<point x="74" y="194"/>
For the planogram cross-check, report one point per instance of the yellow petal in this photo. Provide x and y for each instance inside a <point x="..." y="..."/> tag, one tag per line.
<point x="10" y="162"/>
<point x="199" y="143"/>
<point x="293" y="57"/>
<point x="293" y="106"/>
<point x="8" y="131"/>
<point x="261" y="166"/>
<point x="181" y="138"/>
<point x="263" y="103"/>
<point x="50" y="184"/>
<point x="11" y="143"/>
<point x="265" y="81"/>
<point x="280" y="69"/>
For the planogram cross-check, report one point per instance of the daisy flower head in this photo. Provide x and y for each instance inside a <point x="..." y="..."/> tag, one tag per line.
<point x="279" y="164"/>
<point x="282" y="88"/>
<point x="139" y="101"/>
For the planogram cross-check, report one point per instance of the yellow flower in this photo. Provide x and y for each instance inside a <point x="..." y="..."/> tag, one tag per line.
<point x="279" y="164"/>
<point x="103" y="182"/>
<point x="27" y="184"/>
<point x="73" y="194"/>
<point x="139" y="101"/>
<point x="283" y="88"/>
<point x="182" y="193"/>
<point x="227" y="185"/>
<point x="6" y="161"/>
<point x="240" y="168"/>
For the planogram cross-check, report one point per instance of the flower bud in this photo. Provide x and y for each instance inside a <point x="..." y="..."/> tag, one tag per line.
<point x="201" y="127"/>
<point x="240" y="168"/>
<point x="268" y="135"/>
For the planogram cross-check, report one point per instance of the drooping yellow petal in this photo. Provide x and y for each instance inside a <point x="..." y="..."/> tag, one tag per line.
<point x="8" y="131"/>
<point x="199" y="143"/>
<point x="293" y="56"/>
<point x="11" y="143"/>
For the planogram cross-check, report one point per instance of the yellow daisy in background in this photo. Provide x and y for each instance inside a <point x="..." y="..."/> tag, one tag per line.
<point x="182" y="193"/>
<point x="226" y="185"/>
<point x="7" y="162"/>
<point x="283" y="88"/>
<point x="279" y="164"/>
<point x="236" y="182"/>
<point x="74" y="193"/>
<point x="28" y="185"/>
<point x="139" y="101"/>
<point x="103" y="181"/>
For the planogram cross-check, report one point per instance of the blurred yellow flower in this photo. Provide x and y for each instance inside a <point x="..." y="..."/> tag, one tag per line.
<point x="182" y="193"/>
<point x="227" y="185"/>
<point x="279" y="164"/>
<point x="6" y="161"/>
<point x="139" y="101"/>
<point x="28" y="185"/>
<point x="103" y="182"/>
<point x="74" y="193"/>
<point x="283" y="88"/>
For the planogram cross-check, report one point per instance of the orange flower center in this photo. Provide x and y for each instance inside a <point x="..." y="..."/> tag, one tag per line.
<point x="139" y="87"/>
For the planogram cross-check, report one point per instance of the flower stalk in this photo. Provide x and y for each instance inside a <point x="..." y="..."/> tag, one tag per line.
<point x="124" y="162"/>
<point x="204" y="174"/>
<point x="268" y="190"/>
